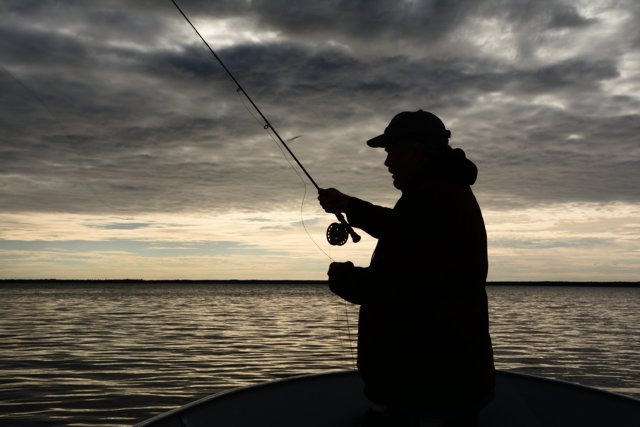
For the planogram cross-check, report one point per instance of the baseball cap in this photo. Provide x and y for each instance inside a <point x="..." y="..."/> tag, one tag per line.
<point x="413" y="126"/>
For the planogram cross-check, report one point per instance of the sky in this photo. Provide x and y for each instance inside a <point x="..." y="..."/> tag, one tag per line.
<point x="127" y="152"/>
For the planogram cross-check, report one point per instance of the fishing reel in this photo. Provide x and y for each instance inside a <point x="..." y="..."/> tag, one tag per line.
<point x="338" y="232"/>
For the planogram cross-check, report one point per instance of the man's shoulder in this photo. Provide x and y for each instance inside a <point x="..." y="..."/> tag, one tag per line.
<point x="435" y="190"/>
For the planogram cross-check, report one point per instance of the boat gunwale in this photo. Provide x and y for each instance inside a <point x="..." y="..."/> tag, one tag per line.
<point x="511" y="374"/>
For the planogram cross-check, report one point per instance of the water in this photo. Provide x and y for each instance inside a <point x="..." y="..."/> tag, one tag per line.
<point x="114" y="354"/>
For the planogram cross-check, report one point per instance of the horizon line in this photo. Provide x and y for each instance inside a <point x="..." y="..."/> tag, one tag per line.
<point x="319" y="281"/>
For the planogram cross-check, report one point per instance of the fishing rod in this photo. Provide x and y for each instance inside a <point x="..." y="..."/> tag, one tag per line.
<point x="337" y="233"/>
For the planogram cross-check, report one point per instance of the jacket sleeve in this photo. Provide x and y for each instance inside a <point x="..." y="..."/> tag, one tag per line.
<point x="414" y="252"/>
<point x="366" y="216"/>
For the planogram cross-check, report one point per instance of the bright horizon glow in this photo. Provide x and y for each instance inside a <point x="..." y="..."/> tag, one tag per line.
<point x="554" y="242"/>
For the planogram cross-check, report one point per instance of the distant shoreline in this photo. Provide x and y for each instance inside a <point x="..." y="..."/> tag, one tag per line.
<point x="297" y="282"/>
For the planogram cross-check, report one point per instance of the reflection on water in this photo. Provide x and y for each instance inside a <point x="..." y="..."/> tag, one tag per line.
<point x="115" y="354"/>
<point x="585" y="335"/>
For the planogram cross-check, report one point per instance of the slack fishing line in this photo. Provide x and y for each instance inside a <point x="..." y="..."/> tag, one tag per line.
<point x="337" y="232"/>
<point x="350" y="343"/>
<point x="304" y="183"/>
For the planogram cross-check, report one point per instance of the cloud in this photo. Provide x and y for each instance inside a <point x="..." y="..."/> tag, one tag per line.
<point x="123" y="226"/>
<point x="116" y="108"/>
<point x="130" y="107"/>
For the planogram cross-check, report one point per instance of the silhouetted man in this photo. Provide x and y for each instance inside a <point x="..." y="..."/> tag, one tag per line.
<point x="424" y="350"/>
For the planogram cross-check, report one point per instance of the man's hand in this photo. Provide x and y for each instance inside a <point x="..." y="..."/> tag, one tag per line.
<point x="341" y="281"/>
<point x="339" y="271"/>
<point x="332" y="200"/>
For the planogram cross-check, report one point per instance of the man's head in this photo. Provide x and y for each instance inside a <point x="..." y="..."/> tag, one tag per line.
<point x="409" y="140"/>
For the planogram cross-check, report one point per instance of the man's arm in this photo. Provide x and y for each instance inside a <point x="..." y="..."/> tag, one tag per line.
<point x="361" y="214"/>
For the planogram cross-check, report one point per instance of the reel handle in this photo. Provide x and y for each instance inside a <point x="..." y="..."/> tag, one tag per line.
<point x="354" y="236"/>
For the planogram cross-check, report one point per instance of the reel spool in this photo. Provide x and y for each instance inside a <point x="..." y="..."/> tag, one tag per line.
<point x="337" y="234"/>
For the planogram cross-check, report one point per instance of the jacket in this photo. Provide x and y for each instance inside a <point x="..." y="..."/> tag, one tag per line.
<point x="423" y="331"/>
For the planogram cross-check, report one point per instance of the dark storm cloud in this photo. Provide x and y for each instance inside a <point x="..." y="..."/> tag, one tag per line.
<point x="117" y="105"/>
<point x="372" y="22"/>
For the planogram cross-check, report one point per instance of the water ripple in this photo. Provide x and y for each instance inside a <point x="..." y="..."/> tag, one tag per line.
<point x="81" y="354"/>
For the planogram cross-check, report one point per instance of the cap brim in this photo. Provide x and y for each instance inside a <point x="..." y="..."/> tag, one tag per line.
<point x="378" y="141"/>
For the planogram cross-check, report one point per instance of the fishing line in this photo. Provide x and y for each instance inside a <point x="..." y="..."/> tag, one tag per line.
<point x="350" y="343"/>
<point x="337" y="233"/>
<point x="304" y="183"/>
<point x="345" y="306"/>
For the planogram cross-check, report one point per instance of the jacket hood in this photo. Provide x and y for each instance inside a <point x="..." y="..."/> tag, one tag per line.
<point x="452" y="166"/>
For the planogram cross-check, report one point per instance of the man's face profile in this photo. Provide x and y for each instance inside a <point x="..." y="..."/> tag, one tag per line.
<point x="403" y="161"/>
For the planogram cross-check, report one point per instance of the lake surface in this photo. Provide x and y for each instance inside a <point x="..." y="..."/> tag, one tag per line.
<point x="81" y="354"/>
